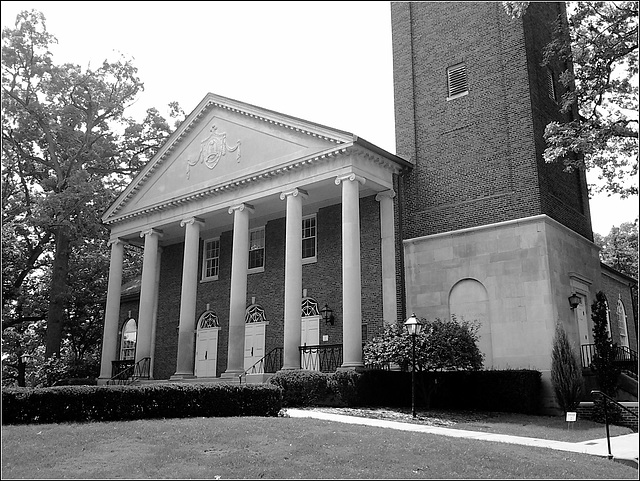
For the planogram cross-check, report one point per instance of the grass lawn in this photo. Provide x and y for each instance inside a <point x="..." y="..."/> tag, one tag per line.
<point x="276" y="448"/>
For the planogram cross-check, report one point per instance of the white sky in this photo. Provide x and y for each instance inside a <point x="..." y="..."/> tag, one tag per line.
<point x="325" y="62"/>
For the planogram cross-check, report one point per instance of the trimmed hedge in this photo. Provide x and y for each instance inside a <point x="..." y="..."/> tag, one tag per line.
<point x="504" y="391"/>
<point x="119" y="403"/>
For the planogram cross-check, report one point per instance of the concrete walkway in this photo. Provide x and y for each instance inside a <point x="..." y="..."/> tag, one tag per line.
<point x="623" y="448"/>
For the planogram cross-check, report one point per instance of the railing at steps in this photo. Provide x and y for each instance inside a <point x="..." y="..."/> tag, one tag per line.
<point x="627" y="358"/>
<point x="605" y="399"/>
<point x="270" y="363"/>
<point x="128" y="373"/>
<point x="321" y="357"/>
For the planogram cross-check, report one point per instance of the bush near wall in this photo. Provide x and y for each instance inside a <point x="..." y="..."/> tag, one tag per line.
<point x="118" y="403"/>
<point x="503" y="391"/>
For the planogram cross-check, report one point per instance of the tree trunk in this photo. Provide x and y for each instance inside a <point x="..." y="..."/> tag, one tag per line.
<point x="57" y="293"/>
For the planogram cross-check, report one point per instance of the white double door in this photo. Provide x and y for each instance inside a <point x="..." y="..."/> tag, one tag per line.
<point x="254" y="344"/>
<point x="254" y="336"/>
<point x="310" y="336"/>
<point x="207" y="352"/>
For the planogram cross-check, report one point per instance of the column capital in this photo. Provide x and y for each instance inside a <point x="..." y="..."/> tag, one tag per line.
<point x="350" y="177"/>
<point x="117" y="240"/>
<point x="295" y="192"/>
<point x="191" y="221"/>
<point x="385" y="194"/>
<point x="241" y="207"/>
<point x="151" y="231"/>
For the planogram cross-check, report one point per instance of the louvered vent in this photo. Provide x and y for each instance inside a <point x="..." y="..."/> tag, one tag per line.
<point x="457" y="80"/>
<point x="551" y="89"/>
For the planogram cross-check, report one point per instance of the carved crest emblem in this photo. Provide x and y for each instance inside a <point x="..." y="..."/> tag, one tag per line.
<point x="212" y="149"/>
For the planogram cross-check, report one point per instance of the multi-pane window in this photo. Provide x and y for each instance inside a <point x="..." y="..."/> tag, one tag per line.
<point x="256" y="248"/>
<point x="457" y="81"/>
<point x="211" y="259"/>
<point x="128" y="345"/>
<point x="622" y="324"/>
<point x="309" y="238"/>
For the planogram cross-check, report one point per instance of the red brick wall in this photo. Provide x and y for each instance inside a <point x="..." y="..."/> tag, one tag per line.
<point x="478" y="158"/>
<point x="323" y="281"/>
<point x="613" y="287"/>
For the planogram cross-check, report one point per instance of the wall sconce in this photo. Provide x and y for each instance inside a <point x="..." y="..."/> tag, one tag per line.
<point x="574" y="300"/>
<point x="327" y="315"/>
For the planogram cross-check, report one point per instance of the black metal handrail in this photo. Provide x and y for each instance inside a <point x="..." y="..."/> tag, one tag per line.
<point x="132" y="372"/>
<point x="627" y="357"/>
<point x="269" y="363"/>
<point x="606" y="398"/>
<point x="321" y="357"/>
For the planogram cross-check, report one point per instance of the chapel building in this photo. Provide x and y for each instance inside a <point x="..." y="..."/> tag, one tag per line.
<point x="270" y="239"/>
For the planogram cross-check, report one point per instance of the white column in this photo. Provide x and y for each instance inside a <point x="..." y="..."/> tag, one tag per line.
<point x="387" y="248"/>
<point x="112" y="310"/>
<point x="351" y="275"/>
<point x="147" y="293"/>
<point x="238" y="295"/>
<point x="293" y="278"/>
<point x="155" y="311"/>
<point x="186" y="331"/>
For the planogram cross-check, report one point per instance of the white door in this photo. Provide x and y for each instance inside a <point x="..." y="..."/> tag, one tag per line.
<point x="207" y="352"/>
<point x="310" y="336"/>
<point x="583" y="326"/>
<point x="254" y="333"/>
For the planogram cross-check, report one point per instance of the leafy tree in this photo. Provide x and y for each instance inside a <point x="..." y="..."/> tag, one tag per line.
<point x="566" y="376"/>
<point x="441" y="345"/>
<point x="68" y="150"/>
<point x="599" y="47"/>
<point x="619" y="248"/>
<point x="604" y="365"/>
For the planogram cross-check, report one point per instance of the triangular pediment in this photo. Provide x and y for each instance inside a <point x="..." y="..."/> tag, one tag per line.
<point x="221" y="141"/>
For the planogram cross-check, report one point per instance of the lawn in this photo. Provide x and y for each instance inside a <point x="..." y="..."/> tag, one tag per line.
<point x="276" y="448"/>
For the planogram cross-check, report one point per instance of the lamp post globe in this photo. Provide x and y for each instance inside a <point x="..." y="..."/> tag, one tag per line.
<point x="413" y="326"/>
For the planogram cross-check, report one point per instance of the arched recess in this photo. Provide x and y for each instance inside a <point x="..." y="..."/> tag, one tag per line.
<point x="128" y="341"/>
<point x="207" y="345"/>
<point x="469" y="301"/>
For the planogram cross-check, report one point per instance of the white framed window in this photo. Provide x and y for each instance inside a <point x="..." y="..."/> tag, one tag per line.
<point x="457" y="81"/>
<point x="256" y="250"/>
<point x="550" y="84"/>
<point x="211" y="259"/>
<point x="309" y="239"/>
<point x="128" y="343"/>
<point x="622" y="324"/>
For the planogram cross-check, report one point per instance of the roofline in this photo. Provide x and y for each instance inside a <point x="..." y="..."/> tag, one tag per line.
<point x="617" y="272"/>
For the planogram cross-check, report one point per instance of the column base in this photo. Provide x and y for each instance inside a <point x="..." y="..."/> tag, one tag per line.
<point x="179" y="376"/>
<point x="354" y="367"/>
<point x="231" y="374"/>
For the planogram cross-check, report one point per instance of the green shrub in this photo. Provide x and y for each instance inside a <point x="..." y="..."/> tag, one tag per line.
<point x="301" y="387"/>
<point x="566" y="375"/>
<point x="119" y="403"/>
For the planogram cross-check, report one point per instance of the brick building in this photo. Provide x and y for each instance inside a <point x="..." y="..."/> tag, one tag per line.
<point x="252" y="221"/>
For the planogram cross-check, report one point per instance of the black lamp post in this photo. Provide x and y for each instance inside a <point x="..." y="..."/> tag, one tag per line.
<point x="414" y="327"/>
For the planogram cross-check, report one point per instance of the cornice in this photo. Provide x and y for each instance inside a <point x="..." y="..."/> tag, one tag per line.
<point x="232" y="184"/>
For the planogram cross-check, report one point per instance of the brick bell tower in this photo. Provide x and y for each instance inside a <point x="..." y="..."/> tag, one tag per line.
<point x="490" y="233"/>
<point x="471" y="102"/>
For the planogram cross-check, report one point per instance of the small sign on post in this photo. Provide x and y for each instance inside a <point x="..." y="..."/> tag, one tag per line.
<point x="571" y="417"/>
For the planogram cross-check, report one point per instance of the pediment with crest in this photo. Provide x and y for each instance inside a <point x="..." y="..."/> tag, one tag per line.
<point x="221" y="140"/>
